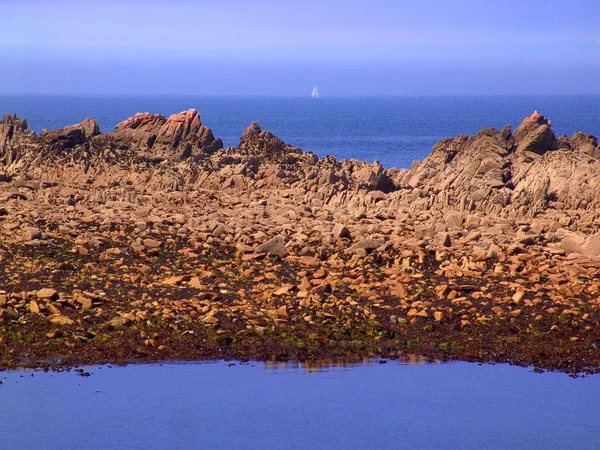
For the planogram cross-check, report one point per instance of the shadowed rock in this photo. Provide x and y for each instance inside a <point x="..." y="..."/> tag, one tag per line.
<point x="71" y="136"/>
<point x="255" y="141"/>
<point x="12" y="130"/>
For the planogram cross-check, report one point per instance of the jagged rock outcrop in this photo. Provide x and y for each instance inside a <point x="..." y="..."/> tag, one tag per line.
<point x="70" y="137"/>
<point x="497" y="172"/>
<point x="13" y="131"/>
<point x="256" y="142"/>
<point x="585" y="143"/>
<point x="180" y="136"/>
<point x="494" y="172"/>
<point x="534" y="135"/>
<point x="81" y="154"/>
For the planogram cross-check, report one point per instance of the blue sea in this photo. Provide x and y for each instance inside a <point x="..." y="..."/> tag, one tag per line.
<point x="395" y="131"/>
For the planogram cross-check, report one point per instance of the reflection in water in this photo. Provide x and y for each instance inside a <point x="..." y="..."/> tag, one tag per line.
<point x="315" y="366"/>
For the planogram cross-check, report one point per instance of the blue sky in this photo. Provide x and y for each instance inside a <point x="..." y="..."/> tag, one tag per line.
<point x="263" y="47"/>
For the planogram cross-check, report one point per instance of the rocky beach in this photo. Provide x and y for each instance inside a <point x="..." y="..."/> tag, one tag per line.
<point x="153" y="242"/>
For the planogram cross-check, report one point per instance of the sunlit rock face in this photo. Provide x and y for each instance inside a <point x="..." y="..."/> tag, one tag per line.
<point x="496" y="172"/>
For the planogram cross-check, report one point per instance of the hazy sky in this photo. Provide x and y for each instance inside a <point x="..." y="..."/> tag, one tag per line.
<point x="349" y="47"/>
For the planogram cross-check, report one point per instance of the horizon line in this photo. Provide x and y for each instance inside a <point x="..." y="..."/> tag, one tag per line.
<point x="295" y="96"/>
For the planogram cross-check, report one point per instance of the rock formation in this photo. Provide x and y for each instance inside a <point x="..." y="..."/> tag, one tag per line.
<point x="493" y="233"/>
<point x="494" y="172"/>
<point x="180" y="136"/>
<point x="520" y="175"/>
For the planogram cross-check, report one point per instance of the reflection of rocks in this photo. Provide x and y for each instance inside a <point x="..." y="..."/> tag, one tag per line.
<point x="316" y="366"/>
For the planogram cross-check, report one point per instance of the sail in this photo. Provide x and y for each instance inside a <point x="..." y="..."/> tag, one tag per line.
<point x="315" y="93"/>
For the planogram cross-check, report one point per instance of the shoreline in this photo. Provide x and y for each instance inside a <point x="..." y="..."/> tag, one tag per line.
<point x="85" y="339"/>
<point x="153" y="243"/>
<point x="402" y="359"/>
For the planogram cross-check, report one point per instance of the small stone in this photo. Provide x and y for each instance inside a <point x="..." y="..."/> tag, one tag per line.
<point x="453" y="219"/>
<point x="472" y="222"/>
<point x="274" y="247"/>
<point x="252" y="256"/>
<point x="33" y="233"/>
<point x="340" y="231"/>
<point x="243" y="248"/>
<point x="8" y="314"/>
<point x="305" y="284"/>
<point x="53" y="309"/>
<point x="497" y="310"/>
<point x="210" y="320"/>
<point x="518" y="296"/>
<point x="367" y="244"/>
<point x="118" y="322"/>
<point x="34" y="308"/>
<point x="308" y="261"/>
<point x="47" y="294"/>
<point x="171" y="281"/>
<point x="283" y="290"/>
<point x="85" y="302"/>
<point x="196" y="283"/>
<point x="61" y="320"/>
<point x="219" y="231"/>
<point x="151" y="243"/>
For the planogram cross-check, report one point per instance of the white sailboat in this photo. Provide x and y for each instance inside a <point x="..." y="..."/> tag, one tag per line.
<point x="315" y="93"/>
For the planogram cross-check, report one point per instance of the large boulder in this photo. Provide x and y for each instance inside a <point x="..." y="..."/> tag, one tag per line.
<point x="534" y="135"/>
<point x="180" y="136"/>
<point x="71" y="136"/>
<point x="139" y="131"/>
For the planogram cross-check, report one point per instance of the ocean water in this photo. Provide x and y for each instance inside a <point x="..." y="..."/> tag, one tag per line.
<point x="395" y="131"/>
<point x="279" y="406"/>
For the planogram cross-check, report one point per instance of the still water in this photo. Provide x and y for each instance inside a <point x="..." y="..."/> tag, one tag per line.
<point x="258" y="405"/>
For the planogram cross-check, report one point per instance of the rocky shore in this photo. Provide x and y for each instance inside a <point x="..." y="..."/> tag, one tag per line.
<point x="152" y="242"/>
